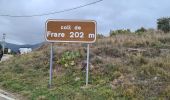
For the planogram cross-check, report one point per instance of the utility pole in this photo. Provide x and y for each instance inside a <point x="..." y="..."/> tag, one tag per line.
<point x="3" y="42"/>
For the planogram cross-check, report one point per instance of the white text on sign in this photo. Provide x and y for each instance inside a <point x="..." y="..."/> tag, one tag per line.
<point x="68" y="27"/>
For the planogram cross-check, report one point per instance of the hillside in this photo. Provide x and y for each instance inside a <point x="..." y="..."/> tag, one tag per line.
<point x="124" y="66"/>
<point x="15" y="47"/>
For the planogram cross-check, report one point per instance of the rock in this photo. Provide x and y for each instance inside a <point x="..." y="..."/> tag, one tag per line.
<point x="155" y="78"/>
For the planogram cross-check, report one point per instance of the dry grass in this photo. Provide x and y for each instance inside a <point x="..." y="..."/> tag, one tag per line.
<point x="130" y="66"/>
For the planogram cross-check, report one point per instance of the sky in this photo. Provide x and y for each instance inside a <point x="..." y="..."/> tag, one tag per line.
<point x="109" y="14"/>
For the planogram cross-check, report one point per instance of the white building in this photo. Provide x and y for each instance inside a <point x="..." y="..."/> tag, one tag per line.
<point x="9" y="50"/>
<point x="25" y="50"/>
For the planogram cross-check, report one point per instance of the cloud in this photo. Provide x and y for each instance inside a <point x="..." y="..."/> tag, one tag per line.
<point x="109" y="14"/>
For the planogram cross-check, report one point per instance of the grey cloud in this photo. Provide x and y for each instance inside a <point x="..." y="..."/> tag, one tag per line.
<point x="109" y="14"/>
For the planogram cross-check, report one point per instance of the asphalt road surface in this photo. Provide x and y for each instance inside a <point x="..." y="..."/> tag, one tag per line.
<point x="6" y="57"/>
<point x="5" y="96"/>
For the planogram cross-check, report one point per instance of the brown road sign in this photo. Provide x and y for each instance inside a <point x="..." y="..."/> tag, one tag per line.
<point x="83" y="31"/>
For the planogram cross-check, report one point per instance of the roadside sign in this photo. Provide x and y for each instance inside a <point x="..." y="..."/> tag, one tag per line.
<point x="83" y="31"/>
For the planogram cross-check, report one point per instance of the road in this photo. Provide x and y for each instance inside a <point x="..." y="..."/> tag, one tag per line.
<point x="6" y="96"/>
<point x="6" y="57"/>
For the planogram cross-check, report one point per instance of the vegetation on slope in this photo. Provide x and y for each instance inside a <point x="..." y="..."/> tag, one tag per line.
<point x="123" y="66"/>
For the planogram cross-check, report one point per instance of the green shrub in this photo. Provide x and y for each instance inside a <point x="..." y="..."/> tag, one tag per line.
<point x="120" y="31"/>
<point x="68" y="58"/>
<point x="141" y="30"/>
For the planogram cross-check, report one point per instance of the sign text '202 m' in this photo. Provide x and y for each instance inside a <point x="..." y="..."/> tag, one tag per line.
<point x="71" y="31"/>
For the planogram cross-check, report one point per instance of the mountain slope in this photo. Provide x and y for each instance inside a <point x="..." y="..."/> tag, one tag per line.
<point x="15" y="47"/>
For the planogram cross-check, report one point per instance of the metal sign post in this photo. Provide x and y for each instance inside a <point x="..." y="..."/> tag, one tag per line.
<point x="87" y="68"/>
<point x="51" y="65"/>
<point x="3" y="41"/>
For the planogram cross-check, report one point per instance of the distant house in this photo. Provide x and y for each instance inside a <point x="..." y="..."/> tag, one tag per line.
<point x="25" y="50"/>
<point x="7" y="51"/>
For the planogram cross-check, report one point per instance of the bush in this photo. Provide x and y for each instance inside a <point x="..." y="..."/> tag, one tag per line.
<point x="141" y="30"/>
<point x="68" y="58"/>
<point x="120" y="31"/>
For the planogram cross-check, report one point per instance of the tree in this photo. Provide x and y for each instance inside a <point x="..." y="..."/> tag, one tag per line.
<point x="163" y="24"/>
<point x="142" y="29"/>
<point x="100" y="36"/>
